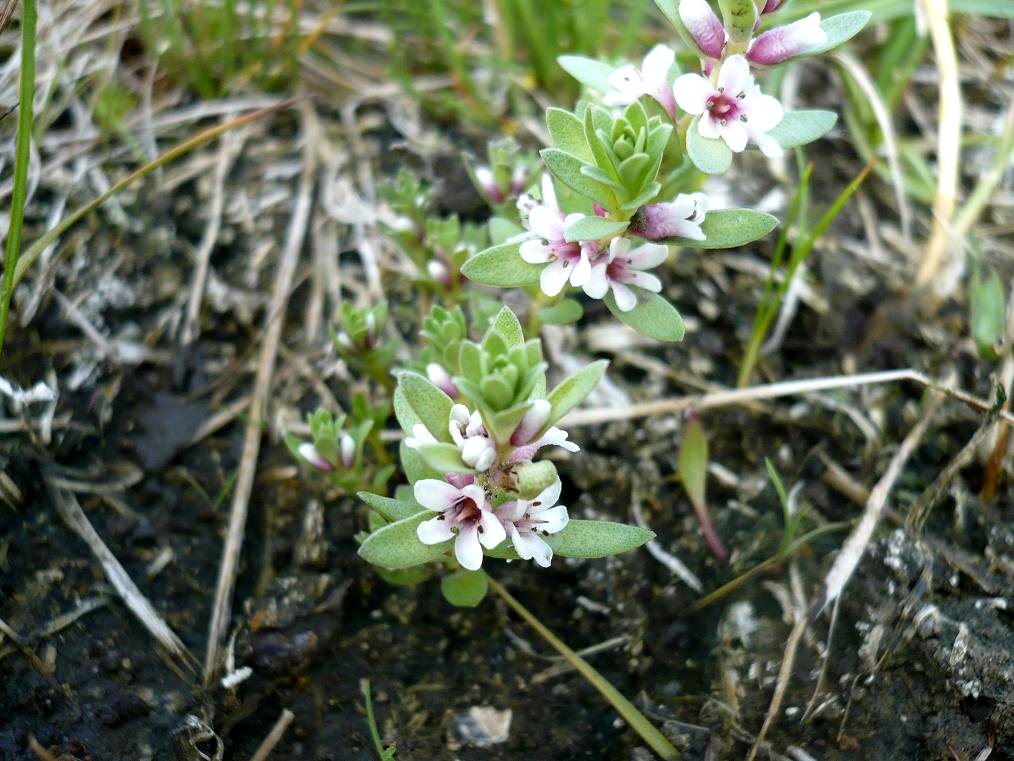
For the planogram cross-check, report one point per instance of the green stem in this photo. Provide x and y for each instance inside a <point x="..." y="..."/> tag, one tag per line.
<point x="637" y="720"/>
<point x="19" y="196"/>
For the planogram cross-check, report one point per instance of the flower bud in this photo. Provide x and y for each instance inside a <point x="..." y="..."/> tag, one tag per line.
<point x="532" y="422"/>
<point x="440" y="378"/>
<point x="347" y="446"/>
<point x="704" y="27"/>
<point x="309" y="453"/>
<point x="781" y="43"/>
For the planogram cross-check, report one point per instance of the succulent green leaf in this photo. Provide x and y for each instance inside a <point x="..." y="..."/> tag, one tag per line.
<point x="414" y="466"/>
<point x="506" y="323"/>
<point x="563" y="312"/>
<point x="567" y="170"/>
<point x="444" y="458"/>
<point x="840" y="29"/>
<point x="730" y="228"/>
<point x="429" y="404"/>
<point x="502" y="266"/>
<point x="502" y="424"/>
<point x="587" y="71"/>
<point x="392" y="509"/>
<point x="710" y="155"/>
<point x="801" y="127"/>
<point x="501" y="230"/>
<point x="739" y="17"/>
<point x="597" y="539"/>
<point x="692" y="460"/>
<point x="572" y="391"/>
<point x="567" y="133"/>
<point x="397" y="546"/>
<point x="653" y="316"/>
<point x="594" y="228"/>
<point x="464" y="589"/>
<point x="986" y="312"/>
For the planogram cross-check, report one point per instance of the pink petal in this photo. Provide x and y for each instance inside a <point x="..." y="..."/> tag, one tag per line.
<point x="692" y="92"/>
<point x="434" y="531"/>
<point x="435" y="495"/>
<point x="648" y="255"/>
<point x="704" y="26"/>
<point x="467" y="549"/>
<point x="777" y="45"/>
<point x="309" y="453"/>
<point x="510" y="511"/>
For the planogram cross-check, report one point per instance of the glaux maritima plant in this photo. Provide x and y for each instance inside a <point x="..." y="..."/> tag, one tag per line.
<point x="469" y="455"/>
<point x="625" y="167"/>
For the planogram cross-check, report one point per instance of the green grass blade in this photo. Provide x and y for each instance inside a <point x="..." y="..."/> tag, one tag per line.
<point x="19" y="196"/>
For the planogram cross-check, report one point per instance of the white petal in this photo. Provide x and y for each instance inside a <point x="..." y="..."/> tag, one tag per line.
<point x="648" y="255"/>
<point x="309" y="453"/>
<point x="628" y="84"/>
<point x="554" y="277"/>
<point x="692" y="92"/>
<point x="643" y="280"/>
<point x="734" y="135"/>
<point x="535" y="252"/>
<point x="546" y="222"/>
<point x="597" y="283"/>
<point x="532" y="422"/>
<point x="762" y="111"/>
<point x="554" y="519"/>
<point x="768" y="146"/>
<point x="435" y="495"/>
<point x="549" y="193"/>
<point x="542" y="553"/>
<point x="657" y="64"/>
<point x="735" y="76"/>
<point x="474" y="449"/>
<point x="625" y="298"/>
<point x="467" y="549"/>
<point x="526" y="544"/>
<point x="581" y="272"/>
<point x="618" y="247"/>
<point x="492" y="530"/>
<point x="475" y="493"/>
<point x="708" y="127"/>
<point x="557" y="437"/>
<point x="511" y="511"/>
<point x="485" y="460"/>
<point x="434" y="531"/>
<point x="548" y="496"/>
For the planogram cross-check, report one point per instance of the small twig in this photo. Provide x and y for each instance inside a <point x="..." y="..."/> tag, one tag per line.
<point x="23" y="646"/>
<point x="222" y="609"/>
<point x="274" y="736"/>
<point x="598" y="415"/>
<point x="38" y="750"/>
<point x="67" y="506"/>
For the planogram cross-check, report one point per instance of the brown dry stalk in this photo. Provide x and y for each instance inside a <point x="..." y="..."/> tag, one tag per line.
<point x="274" y="736"/>
<point x="274" y="320"/>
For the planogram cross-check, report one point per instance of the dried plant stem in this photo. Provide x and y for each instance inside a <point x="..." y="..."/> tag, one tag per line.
<point x="22" y="155"/>
<point x="274" y="736"/>
<point x="723" y="398"/>
<point x="948" y="152"/>
<point x="637" y="720"/>
<point x="222" y="609"/>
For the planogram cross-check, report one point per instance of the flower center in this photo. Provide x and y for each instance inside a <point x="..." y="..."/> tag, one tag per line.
<point x="723" y="107"/>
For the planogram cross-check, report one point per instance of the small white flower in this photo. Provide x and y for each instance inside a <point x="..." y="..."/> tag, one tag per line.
<point x="629" y="83"/>
<point x="527" y="522"/>
<point x="734" y="110"/>
<point x="478" y="450"/>
<point x="681" y="218"/>
<point x="347" y="450"/>
<point x="566" y="261"/>
<point x="781" y="43"/>
<point x="465" y="515"/>
<point x="623" y="267"/>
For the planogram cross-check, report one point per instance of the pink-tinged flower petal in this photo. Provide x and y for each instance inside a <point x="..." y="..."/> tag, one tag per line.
<point x="532" y="422"/>
<point x="440" y="378"/>
<point x="734" y="135"/>
<point x="510" y="511"/>
<point x="554" y="277"/>
<point x="762" y="111"/>
<point x="554" y="519"/>
<point x="467" y="549"/>
<point x="771" y="6"/>
<point x="309" y="453"/>
<point x="475" y="493"/>
<point x="546" y="223"/>
<point x="692" y="92"/>
<point x="460" y="480"/>
<point x="658" y="62"/>
<point x="618" y="247"/>
<point x="347" y="448"/>
<point x="436" y="495"/>
<point x="643" y="280"/>
<point x="625" y="298"/>
<point x="597" y="283"/>
<point x="487" y="183"/>
<point x="535" y="252"/>
<point x="491" y="530"/>
<point x="434" y="531"/>
<point x="734" y="77"/>
<point x="704" y="26"/>
<point x="783" y="42"/>
<point x="681" y="218"/>
<point x="648" y="255"/>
